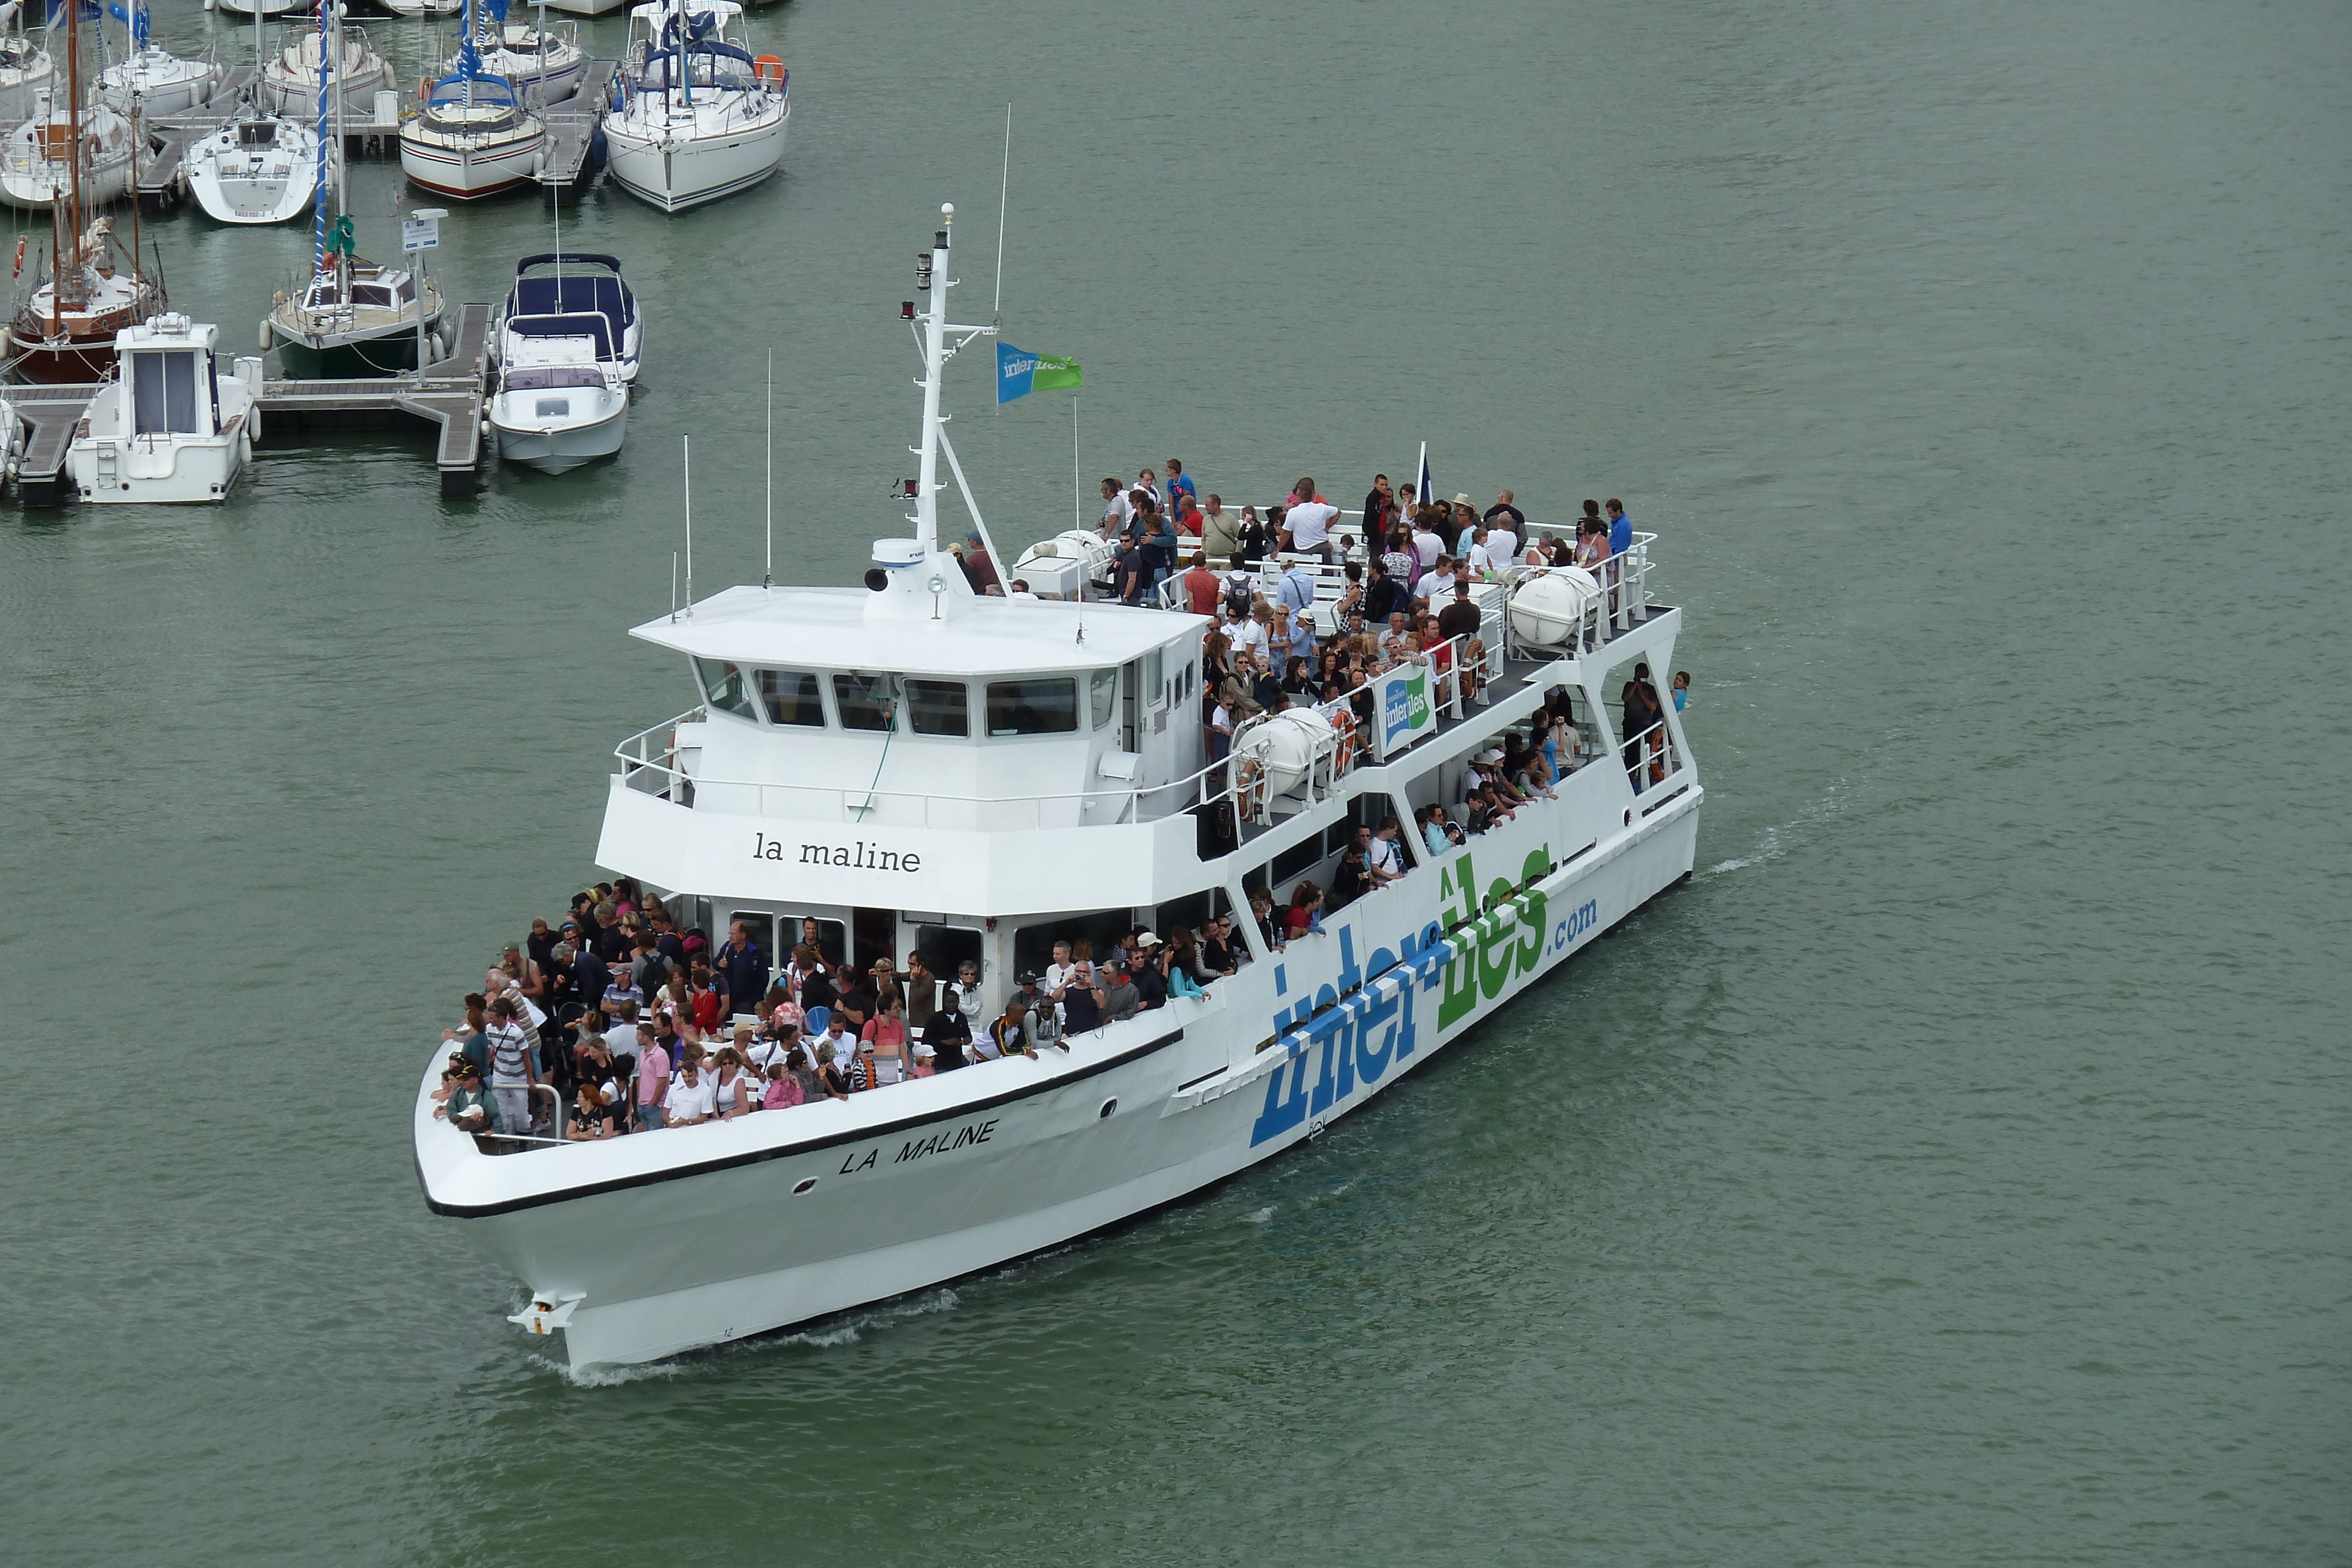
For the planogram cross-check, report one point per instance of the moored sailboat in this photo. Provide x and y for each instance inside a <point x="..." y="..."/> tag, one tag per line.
<point x="700" y="117"/>
<point x="352" y="317"/>
<point x="152" y="81"/>
<point x="473" y="135"/>
<point x="256" y="167"/>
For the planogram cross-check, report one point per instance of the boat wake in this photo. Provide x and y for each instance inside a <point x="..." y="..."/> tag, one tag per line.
<point x="1778" y="840"/>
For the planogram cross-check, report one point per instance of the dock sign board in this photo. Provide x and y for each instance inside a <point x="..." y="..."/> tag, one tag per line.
<point x="420" y="234"/>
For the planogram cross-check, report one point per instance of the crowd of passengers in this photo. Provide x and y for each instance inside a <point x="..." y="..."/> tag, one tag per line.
<point x="639" y="1026"/>
<point x="1407" y="601"/>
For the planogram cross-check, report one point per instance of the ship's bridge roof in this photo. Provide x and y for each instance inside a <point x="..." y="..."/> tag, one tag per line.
<point x="828" y="628"/>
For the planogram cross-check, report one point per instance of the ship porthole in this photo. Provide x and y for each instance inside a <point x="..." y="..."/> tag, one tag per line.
<point x="1109" y="1106"/>
<point x="1629" y="819"/>
<point x="803" y="1184"/>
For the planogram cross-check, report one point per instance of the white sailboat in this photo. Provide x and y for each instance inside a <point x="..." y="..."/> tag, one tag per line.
<point x="700" y="117"/>
<point x="168" y="425"/>
<point x="151" y="78"/>
<point x="256" y="167"/>
<point x="917" y="767"/>
<point x="27" y="75"/>
<point x="543" y="64"/>
<point x="289" y="82"/>
<point x="68" y="147"/>
<point x="261" y="7"/>
<point x="351" y="318"/>
<point x="414" y="8"/>
<point x="475" y="134"/>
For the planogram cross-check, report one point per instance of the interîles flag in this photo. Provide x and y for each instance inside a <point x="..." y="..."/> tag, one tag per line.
<point x="1019" y="373"/>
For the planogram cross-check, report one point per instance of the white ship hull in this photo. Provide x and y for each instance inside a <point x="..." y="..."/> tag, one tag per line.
<point x="557" y="449"/>
<point x="158" y="83"/>
<point x="674" y="167"/>
<point x="268" y="184"/>
<point x="181" y="468"/>
<point x="666" y="1247"/>
<point x="467" y="168"/>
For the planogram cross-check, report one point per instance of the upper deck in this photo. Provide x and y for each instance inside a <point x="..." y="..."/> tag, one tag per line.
<point x="848" y="750"/>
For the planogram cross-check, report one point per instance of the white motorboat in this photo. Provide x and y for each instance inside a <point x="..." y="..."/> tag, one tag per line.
<point x="700" y="117"/>
<point x="573" y="283"/>
<point x="473" y="136"/>
<point x="27" y="76"/>
<point x="561" y="400"/>
<point x="256" y="167"/>
<point x="168" y="425"/>
<point x="919" y="769"/>
<point x="289" y="82"/>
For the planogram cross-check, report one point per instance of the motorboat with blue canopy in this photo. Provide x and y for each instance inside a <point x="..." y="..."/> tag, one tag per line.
<point x="557" y="284"/>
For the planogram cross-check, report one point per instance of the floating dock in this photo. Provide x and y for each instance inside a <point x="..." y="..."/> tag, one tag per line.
<point x="447" y="394"/>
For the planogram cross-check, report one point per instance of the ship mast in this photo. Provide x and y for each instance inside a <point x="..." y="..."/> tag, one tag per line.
<point x="931" y="277"/>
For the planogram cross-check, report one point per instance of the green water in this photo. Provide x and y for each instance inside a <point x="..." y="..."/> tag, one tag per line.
<point x="1954" y="1172"/>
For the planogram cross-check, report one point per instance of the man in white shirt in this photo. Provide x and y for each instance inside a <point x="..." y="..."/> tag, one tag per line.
<point x="692" y="1097"/>
<point x="1308" y="521"/>
<point x="1057" y="973"/>
<point x="1502" y="544"/>
<point x="1117" y="510"/>
<point x="1382" y="856"/>
<point x="1437" y="583"/>
<point x="1254" y="634"/>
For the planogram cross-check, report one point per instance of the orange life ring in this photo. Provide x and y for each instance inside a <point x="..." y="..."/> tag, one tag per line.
<point x="18" y="270"/>
<point x="1344" y="726"/>
<point x="760" y="69"/>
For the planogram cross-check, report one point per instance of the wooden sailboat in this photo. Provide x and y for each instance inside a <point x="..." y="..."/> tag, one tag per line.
<point x="65" y="329"/>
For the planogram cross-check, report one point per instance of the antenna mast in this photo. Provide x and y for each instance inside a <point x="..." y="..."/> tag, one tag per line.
<point x="1003" y="189"/>
<point x="767" y="578"/>
<point x="931" y="278"/>
<point x="686" y="443"/>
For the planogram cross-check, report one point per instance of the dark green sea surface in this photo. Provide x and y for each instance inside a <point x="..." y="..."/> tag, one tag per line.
<point x="1956" y="1172"/>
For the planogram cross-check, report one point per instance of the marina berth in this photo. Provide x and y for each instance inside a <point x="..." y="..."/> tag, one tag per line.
<point x="1026" y="915"/>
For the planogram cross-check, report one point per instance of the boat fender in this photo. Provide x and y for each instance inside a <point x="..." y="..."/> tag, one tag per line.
<point x="265" y="334"/>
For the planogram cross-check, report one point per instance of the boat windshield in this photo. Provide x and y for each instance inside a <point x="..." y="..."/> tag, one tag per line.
<point x="545" y="378"/>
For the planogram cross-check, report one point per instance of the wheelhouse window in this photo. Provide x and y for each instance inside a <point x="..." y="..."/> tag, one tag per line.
<point x="1105" y="687"/>
<point x="163" y="391"/>
<point x="864" y="701"/>
<point x="1048" y="706"/>
<point x="723" y="684"/>
<point x="791" y="698"/>
<point x="936" y="708"/>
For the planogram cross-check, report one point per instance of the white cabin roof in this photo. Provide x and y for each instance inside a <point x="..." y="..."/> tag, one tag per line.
<point x="828" y="628"/>
<point x="659" y="11"/>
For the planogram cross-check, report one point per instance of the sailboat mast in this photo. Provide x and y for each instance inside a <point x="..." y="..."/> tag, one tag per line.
<point x="73" y="111"/>
<point x="320" y="188"/>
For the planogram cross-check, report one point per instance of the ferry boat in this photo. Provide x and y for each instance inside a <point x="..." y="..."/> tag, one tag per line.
<point x="932" y="770"/>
